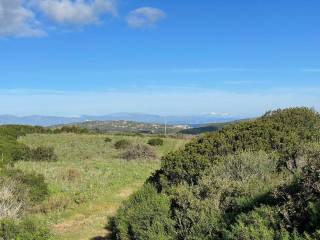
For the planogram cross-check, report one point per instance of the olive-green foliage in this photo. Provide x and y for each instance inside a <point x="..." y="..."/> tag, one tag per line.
<point x="107" y="140"/>
<point x="34" y="184"/>
<point x="26" y="229"/>
<point x="261" y="223"/>
<point x="146" y="215"/>
<point x="122" y="144"/>
<point x="282" y="132"/>
<point x="10" y="149"/>
<point x="71" y="129"/>
<point x="139" y="151"/>
<point x="155" y="142"/>
<point x="301" y="199"/>
<point x="257" y="179"/>
<point x="41" y="154"/>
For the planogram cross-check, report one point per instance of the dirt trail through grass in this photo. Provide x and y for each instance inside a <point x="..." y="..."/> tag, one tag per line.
<point x="93" y="225"/>
<point x="89" y="181"/>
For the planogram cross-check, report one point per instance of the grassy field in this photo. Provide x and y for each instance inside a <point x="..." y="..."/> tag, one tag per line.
<point x="89" y="181"/>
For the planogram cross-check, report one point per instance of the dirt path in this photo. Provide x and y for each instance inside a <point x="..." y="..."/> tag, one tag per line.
<point x="92" y="226"/>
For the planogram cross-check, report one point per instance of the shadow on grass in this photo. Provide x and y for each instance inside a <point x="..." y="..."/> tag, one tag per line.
<point x="108" y="228"/>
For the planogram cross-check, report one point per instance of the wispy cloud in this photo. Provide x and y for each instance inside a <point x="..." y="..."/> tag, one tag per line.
<point x="17" y="20"/>
<point x="76" y="12"/>
<point x="145" y="17"/>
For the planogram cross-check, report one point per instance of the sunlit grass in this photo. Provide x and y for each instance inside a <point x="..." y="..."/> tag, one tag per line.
<point x="89" y="180"/>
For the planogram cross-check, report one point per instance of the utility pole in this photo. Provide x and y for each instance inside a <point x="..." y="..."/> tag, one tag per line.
<point x="165" y="126"/>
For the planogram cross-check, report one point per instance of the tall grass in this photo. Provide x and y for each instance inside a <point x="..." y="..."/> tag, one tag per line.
<point x="89" y="174"/>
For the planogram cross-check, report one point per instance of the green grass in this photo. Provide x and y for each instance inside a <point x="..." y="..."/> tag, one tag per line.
<point x="89" y="181"/>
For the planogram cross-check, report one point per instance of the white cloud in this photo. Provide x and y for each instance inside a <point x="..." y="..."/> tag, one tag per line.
<point x="17" y="20"/>
<point x="78" y="12"/>
<point x="145" y="17"/>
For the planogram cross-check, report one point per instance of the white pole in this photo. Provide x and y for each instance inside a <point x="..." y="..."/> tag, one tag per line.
<point x="165" y="126"/>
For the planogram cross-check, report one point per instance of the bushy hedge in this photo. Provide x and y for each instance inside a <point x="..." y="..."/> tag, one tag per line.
<point x="146" y="215"/>
<point x="26" y="229"/>
<point x="257" y="179"/>
<point x="155" y="142"/>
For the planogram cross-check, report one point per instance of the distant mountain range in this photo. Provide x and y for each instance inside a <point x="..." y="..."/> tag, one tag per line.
<point x="137" y="117"/>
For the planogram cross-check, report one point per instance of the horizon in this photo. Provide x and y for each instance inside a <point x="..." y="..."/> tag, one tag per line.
<point x="98" y="57"/>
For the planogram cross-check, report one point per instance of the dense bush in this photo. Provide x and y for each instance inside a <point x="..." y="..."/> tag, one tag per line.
<point x="26" y="229"/>
<point x="10" y="149"/>
<point x="257" y="179"/>
<point x="146" y="215"/>
<point x="122" y="144"/>
<point x="34" y="184"/>
<point x="156" y="142"/>
<point x="41" y="154"/>
<point x="139" y="151"/>
<point x="107" y="140"/>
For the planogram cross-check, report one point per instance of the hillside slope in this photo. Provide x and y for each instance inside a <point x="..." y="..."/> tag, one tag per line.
<point x="251" y="180"/>
<point x="127" y="127"/>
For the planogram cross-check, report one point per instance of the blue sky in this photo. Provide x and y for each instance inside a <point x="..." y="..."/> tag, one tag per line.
<point x="72" y="57"/>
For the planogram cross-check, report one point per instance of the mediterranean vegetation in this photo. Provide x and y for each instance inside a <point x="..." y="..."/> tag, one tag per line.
<point x="253" y="179"/>
<point x="63" y="184"/>
<point x="257" y="179"/>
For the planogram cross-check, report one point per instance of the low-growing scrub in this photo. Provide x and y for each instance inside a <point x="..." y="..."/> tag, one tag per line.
<point x="71" y="175"/>
<point x="122" y="144"/>
<point x="42" y="154"/>
<point x="256" y="179"/>
<point x="146" y="215"/>
<point x="53" y="204"/>
<point x="107" y="140"/>
<point x="139" y="151"/>
<point x="32" y="183"/>
<point x="26" y="229"/>
<point x="71" y="129"/>
<point x="156" y="142"/>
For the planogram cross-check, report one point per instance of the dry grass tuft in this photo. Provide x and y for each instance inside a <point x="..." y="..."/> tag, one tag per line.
<point x="10" y="206"/>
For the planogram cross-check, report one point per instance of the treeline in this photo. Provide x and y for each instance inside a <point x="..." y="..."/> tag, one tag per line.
<point x="257" y="179"/>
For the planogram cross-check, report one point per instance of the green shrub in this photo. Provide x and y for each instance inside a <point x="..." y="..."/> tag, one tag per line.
<point x="107" y="140"/>
<point x="146" y="215"/>
<point x="250" y="180"/>
<point x="122" y="144"/>
<point x="262" y="223"/>
<point x="10" y="149"/>
<point x="42" y="154"/>
<point x="156" y="142"/>
<point x="139" y="151"/>
<point x="26" y="229"/>
<point x="33" y="183"/>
